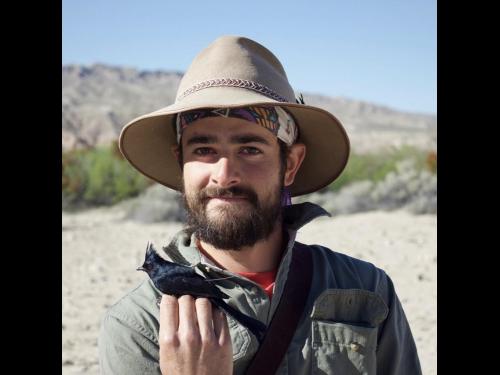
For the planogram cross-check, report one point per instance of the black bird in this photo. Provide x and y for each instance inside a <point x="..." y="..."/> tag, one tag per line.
<point x="177" y="280"/>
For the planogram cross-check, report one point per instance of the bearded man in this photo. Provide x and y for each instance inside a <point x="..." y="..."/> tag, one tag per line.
<point x="239" y="145"/>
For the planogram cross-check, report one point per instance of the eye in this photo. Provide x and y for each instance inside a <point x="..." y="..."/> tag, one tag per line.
<point x="251" y="150"/>
<point x="203" y="151"/>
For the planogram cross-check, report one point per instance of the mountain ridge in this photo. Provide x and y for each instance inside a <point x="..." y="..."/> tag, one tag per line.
<point x="99" y="99"/>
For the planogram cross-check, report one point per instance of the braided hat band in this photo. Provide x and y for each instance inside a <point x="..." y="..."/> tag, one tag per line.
<point x="275" y="119"/>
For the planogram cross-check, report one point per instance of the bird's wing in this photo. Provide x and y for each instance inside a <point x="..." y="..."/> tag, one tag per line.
<point x="254" y="325"/>
<point x="221" y="294"/>
<point x="209" y="286"/>
<point x="196" y="286"/>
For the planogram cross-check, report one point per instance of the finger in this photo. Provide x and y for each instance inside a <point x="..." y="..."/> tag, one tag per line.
<point x="217" y="319"/>
<point x="169" y="316"/>
<point x="221" y="327"/>
<point x="205" y="320"/>
<point x="187" y="314"/>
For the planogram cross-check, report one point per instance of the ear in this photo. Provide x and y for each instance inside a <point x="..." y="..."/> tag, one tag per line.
<point x="294" y="161"/>
<point x="175" y="149"/>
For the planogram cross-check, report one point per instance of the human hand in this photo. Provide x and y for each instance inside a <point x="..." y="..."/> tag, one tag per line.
<point x="194" y="337"/>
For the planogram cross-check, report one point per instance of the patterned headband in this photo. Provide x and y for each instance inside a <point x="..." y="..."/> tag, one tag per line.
<point x="275" y="119"/>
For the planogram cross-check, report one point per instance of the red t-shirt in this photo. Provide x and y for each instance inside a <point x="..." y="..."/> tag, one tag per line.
<point x="264" y="279"/>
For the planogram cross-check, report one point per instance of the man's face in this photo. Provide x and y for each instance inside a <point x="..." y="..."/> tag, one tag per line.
<point x="232" y="181"/>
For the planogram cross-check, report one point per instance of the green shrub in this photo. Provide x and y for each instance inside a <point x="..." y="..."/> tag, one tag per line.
<point x="98" y="176"/>
<point x="376" y="166"/>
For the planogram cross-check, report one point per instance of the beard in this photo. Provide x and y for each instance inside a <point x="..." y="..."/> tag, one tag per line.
<point x="232" y="226"/>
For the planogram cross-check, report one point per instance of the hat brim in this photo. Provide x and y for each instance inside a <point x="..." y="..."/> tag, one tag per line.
<point x="146" y="142"/>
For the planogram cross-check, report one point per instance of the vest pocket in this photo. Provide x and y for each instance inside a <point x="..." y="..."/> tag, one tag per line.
<point x="344" y="331"/>
<point x="341" y="348"/>
<point x="240" y="339"/>
<point x="244" y="346"/>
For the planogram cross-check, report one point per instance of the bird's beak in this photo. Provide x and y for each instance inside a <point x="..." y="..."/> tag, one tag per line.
<point x="140" y="268"/>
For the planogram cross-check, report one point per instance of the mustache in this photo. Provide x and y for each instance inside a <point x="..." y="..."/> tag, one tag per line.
<point x="234" y="191"/>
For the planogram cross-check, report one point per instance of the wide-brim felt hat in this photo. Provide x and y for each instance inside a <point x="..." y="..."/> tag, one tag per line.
<point x="233" y="72"/>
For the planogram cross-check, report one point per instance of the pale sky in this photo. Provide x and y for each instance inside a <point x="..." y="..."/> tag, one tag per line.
<point x="383" y="51"/>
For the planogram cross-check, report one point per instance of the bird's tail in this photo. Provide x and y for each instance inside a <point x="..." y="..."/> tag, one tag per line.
<point x="255" y="326"/>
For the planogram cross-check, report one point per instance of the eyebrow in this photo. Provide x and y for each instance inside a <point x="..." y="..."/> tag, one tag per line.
<point x="248" y="138"/>
<point x="205" y="139"/>
<point x="235" y="139"/>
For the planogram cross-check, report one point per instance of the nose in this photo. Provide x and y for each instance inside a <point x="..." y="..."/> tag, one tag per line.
<point x="225" y="173"/>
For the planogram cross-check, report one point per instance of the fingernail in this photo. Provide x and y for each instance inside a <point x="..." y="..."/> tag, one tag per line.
<point x="168" y="297"/>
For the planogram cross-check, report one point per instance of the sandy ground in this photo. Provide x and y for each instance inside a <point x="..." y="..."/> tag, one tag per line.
<point x="101" y="252"/>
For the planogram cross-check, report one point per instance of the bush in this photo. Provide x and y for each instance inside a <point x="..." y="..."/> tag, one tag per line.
<point x="98" y="176"/>
<point x="157" y="203"/>
<point x="376" y="166"/>
<point x="405" y="188"/>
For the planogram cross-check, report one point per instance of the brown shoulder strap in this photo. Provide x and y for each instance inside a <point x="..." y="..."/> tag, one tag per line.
<point x="287" y="315"/>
